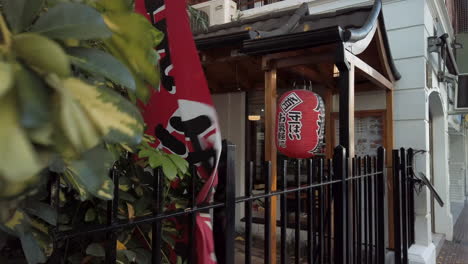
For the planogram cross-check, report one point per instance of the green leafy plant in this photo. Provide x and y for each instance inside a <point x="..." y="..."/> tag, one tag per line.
<point x="199" y="20"/>
<point x="71" y="74"/>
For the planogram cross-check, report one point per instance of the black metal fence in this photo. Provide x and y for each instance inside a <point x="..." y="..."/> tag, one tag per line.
<point x="339" y="203"/>
<point x="345" y="211"/>
<point x="403" y="200"/>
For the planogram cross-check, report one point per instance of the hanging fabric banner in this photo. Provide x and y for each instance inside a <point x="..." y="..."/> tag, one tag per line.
<point x="181" y="114"/>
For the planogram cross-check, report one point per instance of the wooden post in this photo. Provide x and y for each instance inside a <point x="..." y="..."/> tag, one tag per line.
<point x="346" y="133"/>
<point x="270" y="149"/>
<point x="389" y="146"/>
<point x="329" y="133"/>
<point x="346" y="88"/>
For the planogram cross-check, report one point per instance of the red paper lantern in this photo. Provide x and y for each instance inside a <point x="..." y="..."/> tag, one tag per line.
<point x="300" y="124"/>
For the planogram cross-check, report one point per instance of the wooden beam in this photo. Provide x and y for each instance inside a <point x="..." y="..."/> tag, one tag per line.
<point x="267" y="60"/>
<point x="270" y="150"/>
<point x="384" y="56"/>
<point x="369" y="72"/>
<point x="312" y="74"/>
<point x="215" y="61"/>
<point x="304" y="60"/>
<point x="366" y="86"/>
<point x="306" y="72"/>
<point x="327" y="77"/>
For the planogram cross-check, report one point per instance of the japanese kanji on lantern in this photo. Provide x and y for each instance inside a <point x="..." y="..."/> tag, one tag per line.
<point x="300" y="124"/>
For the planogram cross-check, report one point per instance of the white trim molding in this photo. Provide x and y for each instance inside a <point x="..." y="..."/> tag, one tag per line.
<point x="439" y="10"/>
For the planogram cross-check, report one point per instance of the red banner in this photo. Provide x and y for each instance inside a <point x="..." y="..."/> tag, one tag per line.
<point x="181" y="114"/>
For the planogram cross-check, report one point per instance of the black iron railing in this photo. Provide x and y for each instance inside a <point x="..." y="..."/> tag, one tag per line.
<point x="403" y="200"/>
<point x="345" y="212"/>
<point x="343" y="200"/>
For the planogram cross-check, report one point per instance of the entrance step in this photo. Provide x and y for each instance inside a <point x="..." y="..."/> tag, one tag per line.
<point x="438" y="240"/>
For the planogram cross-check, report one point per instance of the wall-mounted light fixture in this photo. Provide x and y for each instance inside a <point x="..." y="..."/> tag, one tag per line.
<point x="254" y="118"/>
<point x="439" y="44"/>
<point x="336" y="71"/>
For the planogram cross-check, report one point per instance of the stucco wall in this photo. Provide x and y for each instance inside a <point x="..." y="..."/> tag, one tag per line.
<point x="409" y="24"/>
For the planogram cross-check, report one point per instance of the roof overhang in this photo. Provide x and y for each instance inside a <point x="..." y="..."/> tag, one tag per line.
<point x="354" y="27"/>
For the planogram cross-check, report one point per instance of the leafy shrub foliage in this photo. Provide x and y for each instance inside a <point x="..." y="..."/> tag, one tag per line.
<point x="71" y="74"/>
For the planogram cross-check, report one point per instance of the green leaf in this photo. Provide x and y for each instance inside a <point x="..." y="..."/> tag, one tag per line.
<point x="64" y="219"/>
<point x="91" y="173"/>
<point x="78" y="128"/>
<point x="6" y="75"/>
<point x="141" y="205"/>
<point x="57" y="164"/>
<point x="133" y="43"/>
<point x="76" y="258"/>
<point x="31" y="249"/>
<point x="126" y="196"/>
<point x="169" y="169"/>
<point x="169" y="239"/>
<point x="90" y="215"/>
<point x="145" y="153"/>
<point x="155" y="160"/>
<point x="17" y="224"/>
<point x="45" y="242"/>
<point x="101" y="63"/>
<point x="39" y="226"/>
<point x="32" y="98"/>
<point x="181" y="163"/>
<point x="21" y="13"/>
<point x="143" y="256"/>
<point x="18" y="160"/>
<point x="114" y="5"/>
<point x="43" y="211"/>
<point x="72" y="21"/>
<point x="114" y="116"/>
<point x="124" y="184"/>
<point x="43" y="134"/>
<point x="42" y="53"/>
<point x="131" y="256"/>
<point x="199" y="20"/>
<point x="96" y="250"/>
<point x="139" y="191"/>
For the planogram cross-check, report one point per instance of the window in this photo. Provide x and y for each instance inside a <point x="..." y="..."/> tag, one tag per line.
<point x="461" y="16"/>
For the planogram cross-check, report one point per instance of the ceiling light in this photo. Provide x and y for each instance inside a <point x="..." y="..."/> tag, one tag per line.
<point x="254" y="117"/>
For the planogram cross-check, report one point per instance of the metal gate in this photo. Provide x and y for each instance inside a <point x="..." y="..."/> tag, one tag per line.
<point x="403" y="202"/>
